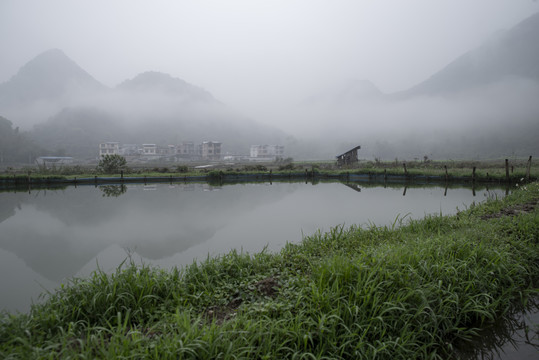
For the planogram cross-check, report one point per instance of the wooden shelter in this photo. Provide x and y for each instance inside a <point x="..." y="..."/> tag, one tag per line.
<point x="349" y="157"/>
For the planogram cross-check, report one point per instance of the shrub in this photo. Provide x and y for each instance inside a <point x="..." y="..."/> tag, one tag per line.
<point x="110" y="164"/>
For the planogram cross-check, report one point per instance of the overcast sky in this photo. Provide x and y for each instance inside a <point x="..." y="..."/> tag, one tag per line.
<point x="255" y="55"/>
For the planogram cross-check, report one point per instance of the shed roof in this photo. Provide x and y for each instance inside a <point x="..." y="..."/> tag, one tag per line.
<point x="354" y="149"/>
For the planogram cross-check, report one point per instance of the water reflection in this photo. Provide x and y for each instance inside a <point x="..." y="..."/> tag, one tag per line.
<point x="513" y="337"/>
<point x="48" y="235"/>
<point x="113" y="190"/>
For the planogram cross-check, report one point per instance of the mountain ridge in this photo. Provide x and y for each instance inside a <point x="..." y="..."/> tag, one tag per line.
<point x="50" y="74"/>
<point x="511" y="54"/>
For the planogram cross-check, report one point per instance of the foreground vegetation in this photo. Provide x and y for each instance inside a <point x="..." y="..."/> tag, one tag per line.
<point x="408" y="291"/>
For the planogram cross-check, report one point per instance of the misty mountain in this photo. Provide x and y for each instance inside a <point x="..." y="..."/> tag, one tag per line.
<point x="160" y="83"/>
<point x="15" y="146"/>
<point x="72" y="113"/>
<point x="43" y="86"/>
<point x="481" y="105"/>
<point x="77" y="131"/>
<point x="511" y="54"/>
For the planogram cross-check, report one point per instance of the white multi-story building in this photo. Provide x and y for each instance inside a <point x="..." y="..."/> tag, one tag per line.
<point x="186" y="149"/>
<point x="109" y="148"/>
<point x="211" y="150"/>
<point x="267" y="151"/>
<point x="149" y="149"/>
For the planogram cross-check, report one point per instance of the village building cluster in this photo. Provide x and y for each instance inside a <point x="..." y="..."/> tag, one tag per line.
<point x="187" y="151"/>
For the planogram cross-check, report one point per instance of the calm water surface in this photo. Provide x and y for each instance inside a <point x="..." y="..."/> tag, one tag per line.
<point x="47" y="236"/>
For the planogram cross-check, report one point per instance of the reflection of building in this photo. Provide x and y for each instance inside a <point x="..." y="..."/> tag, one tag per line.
<point x="109" y="148"/>
<point x="349" y="157"/>
<point x="267" y="151"/>
<point x="211" y="150"/>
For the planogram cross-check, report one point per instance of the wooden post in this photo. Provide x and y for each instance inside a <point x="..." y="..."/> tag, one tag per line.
<point x="529" y="165"/>
<point x="405" y="171"/>
<point x="507" y="170"/>
<point x="446" y="174"/>
<point x="473" y="175"/>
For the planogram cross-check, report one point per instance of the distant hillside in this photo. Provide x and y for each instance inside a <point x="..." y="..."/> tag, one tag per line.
<point x="482" y="105"/>
<point x="43" y="86"/>
<point x="78" y="131"/>
<point x="50" y="75"/>
<point x="72" y="113"/>
<point x="15" y="146"/>
<point x="512" y="54"/>
<point x="160" y="83"/>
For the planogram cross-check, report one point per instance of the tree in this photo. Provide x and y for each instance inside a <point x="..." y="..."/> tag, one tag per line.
<point x="110" y="164"/>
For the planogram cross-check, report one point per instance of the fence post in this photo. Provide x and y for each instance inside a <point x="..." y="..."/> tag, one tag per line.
<point x="473" y="175"/>
<point x="405" y="171"/>
<point x="507" y="170"/>
<point x="528" y="168"/>
<point x="446" y="174"/>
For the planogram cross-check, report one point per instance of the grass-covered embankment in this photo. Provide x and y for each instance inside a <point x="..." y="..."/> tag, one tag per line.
<point x="493" y="171"/>
<point x="400" y="292"/>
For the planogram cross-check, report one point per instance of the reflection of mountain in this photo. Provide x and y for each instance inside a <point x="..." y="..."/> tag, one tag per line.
<point x="58" y="232"/>
<point x="7" y="207"/>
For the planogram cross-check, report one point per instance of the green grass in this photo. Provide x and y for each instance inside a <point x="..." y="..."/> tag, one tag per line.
<point x="486" y="170"/>
<point x="406" y="291"/>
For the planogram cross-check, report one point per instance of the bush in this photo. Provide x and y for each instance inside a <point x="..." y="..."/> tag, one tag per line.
<point x="182" y="169"/>
<point x="110" y="164"/>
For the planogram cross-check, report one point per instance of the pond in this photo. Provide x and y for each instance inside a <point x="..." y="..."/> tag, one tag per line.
<point x="48" y="236"/>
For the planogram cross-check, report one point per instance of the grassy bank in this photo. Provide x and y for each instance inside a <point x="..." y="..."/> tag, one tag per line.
<point x="398" y="292"/>
<point x="492" y="171"/>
